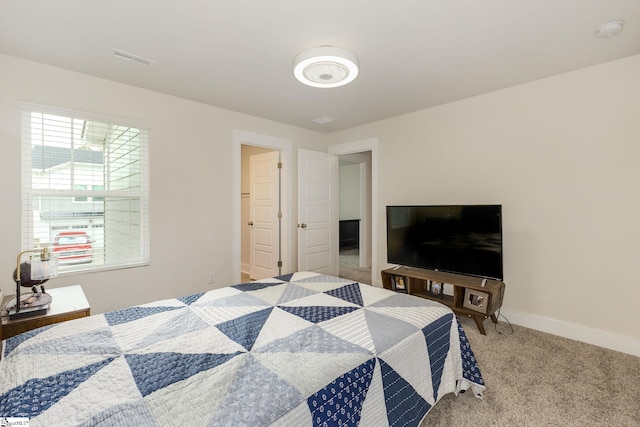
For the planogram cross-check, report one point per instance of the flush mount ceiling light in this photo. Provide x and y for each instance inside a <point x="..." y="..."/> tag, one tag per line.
<point x="325" y="67"/>
<point x="609" y="29"/>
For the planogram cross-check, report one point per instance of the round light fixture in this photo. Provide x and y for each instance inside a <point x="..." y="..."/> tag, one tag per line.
<point x="609" y="29"/>
<point x="325" y="67"/>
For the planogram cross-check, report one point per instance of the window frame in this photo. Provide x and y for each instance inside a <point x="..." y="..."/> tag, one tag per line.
<point x="28" y="192"/>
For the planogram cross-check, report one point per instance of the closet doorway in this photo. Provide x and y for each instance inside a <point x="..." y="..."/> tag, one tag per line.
<point x="262" y="207"/>
<point x="259" y="204"/>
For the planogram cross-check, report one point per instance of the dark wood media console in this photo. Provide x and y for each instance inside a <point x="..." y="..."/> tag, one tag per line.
<point x="470" y="298"/>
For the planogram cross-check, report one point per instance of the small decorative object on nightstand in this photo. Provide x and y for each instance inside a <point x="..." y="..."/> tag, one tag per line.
<point x="67" y="303"/>
<point x="31" y="274"/>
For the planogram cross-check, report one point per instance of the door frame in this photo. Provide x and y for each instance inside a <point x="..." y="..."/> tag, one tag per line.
<point x="359" y="146"/>
<point x="285" y="147"/>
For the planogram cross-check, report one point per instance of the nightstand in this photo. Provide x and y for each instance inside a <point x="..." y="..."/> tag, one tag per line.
<point x="67" y="303"/>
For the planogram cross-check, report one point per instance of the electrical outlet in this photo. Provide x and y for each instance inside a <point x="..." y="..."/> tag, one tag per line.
<point x="212" y="278"/>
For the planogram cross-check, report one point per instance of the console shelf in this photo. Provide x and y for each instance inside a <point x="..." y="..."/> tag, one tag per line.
<point x="470" y="298"/>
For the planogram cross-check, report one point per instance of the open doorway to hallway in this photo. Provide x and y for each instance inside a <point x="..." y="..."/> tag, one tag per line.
<point x="355" y="217"/>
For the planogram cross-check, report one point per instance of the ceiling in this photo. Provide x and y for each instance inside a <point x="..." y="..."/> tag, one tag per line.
<point x="238" y="54"/>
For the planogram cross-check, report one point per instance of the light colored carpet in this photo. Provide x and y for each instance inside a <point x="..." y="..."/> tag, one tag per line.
<point x="538" y="379"/>
<point x="349" y="268"/>
<point x="534" y="378"/>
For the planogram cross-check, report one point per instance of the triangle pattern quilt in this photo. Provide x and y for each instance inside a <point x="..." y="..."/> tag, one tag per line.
<point x="300" y="349"/>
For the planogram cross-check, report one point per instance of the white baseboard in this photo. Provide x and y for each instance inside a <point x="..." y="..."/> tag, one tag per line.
<point x="617" y="342"/>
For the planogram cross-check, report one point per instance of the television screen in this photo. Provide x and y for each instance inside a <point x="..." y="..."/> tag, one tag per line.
<point x="464" y="239"/>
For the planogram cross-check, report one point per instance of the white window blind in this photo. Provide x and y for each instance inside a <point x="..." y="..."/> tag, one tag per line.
<point x="85" y="189"/>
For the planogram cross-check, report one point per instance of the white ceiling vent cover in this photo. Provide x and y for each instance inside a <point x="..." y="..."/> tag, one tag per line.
<point x="323" y="120"/>
<point x="133" y="58"/>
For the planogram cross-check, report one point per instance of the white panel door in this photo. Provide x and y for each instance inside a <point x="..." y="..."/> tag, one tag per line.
<point x="318" y="212"/>
<point x="263" y="207"/>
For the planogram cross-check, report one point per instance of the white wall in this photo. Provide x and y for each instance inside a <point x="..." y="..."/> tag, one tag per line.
<point x="191" y="152"/>
<point x="562" y="157"/>
<point x="349" y="191"/>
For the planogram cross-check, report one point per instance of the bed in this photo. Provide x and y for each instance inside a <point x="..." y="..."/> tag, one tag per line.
<point x="303" y="349"/>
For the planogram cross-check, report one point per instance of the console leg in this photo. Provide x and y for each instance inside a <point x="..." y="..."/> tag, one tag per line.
<point x="494" y="319"/>
<point x="478" y="320"/>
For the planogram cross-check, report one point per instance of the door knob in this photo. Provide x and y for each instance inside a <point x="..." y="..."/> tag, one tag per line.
<point x="250" y="223"/>
<point x="302" y="225"/>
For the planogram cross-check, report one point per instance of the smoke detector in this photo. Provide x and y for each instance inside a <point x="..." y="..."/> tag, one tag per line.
<point x="609" y="29"/>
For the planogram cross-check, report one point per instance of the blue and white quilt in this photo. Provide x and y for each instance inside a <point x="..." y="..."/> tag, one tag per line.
<point x="297" y="350"/>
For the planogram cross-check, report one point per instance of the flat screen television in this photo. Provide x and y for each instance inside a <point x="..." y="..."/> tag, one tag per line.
<point x="463" y="239"/>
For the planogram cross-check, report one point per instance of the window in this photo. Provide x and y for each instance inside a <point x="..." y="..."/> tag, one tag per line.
<point x="85" y="189"/>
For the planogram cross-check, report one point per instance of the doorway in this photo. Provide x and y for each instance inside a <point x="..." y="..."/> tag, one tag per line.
<point x="355" y="212"/>
<point x="260" y="237"/>
<point x="358" y="197"/>
<point x="246" y="146"/>
<point x="287" y="232"/>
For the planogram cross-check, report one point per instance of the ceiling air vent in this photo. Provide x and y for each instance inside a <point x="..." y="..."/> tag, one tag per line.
<point x="323" y="120"/>
<point x="131" y="57"/>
